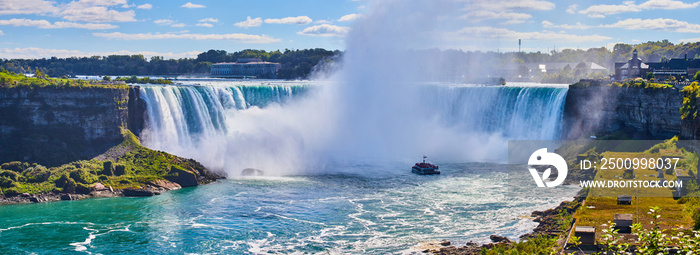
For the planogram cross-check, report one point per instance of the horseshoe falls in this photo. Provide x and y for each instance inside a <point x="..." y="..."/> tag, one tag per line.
<point x="311" y="199"/>
<point x="283" y="128"/>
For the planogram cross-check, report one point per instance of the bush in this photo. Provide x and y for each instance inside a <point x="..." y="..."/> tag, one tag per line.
<point x="37" y="174"/>
<point x="82" y="188"/>
<point x="83" y="176"/>
<point x="119" y="170"/>
<point x="61" y="181"/>
<point x="12" y="192"/>
<point x="108" y="168"/>
<point x="15" y="166"/>
<point x="70" y="186"/>
<point x="13" y="175"/>
<point x="6" y="182"/>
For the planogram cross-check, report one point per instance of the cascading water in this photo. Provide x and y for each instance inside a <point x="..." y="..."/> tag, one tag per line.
<point x="237" y="126"/>
<point x="516" y="112"/>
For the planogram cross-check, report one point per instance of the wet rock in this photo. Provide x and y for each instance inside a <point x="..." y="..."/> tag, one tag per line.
<point x="35" y="199"/>
<point x="98" y="187"/>
<point x="252" y="172"/>
<point x="164" y="184"/>
<point x="66" y="197"/>
<point x="139" y="193"/>
<point x="445" y="243"/>
<point x="182" y="177"/>
<point x="499" y="239"/>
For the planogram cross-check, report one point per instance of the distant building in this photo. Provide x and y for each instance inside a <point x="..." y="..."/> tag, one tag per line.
<point x="245" y="68"/>
<point x="535" y="70"/>
<point x="677" y="67"/>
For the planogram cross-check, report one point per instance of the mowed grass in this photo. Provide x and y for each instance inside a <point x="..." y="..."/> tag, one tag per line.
<point x="601" y="204"/>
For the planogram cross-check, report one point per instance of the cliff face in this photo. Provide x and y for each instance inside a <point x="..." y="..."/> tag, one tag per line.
<point x="596" y="110"/>
<point x="52" y="126"/>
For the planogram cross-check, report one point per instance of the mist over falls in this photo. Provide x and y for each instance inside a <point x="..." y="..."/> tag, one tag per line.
<point x="375" y="108"/>
<point x="288" y="128"/>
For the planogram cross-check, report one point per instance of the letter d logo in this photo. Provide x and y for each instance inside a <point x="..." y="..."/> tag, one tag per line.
<point x="543" y="158"/>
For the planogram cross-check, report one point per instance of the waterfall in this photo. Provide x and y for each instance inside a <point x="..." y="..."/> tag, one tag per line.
<point x="180" y="117"/>
<point x="524" y="113"/>
<point x="238" y="126"/>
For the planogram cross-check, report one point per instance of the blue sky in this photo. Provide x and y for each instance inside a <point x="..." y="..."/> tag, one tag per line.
<point x="174" y="28"/>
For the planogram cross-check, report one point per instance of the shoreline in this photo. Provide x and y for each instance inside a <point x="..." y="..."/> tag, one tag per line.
<point x="547" y="225"/>
<point x="98" y="190"/>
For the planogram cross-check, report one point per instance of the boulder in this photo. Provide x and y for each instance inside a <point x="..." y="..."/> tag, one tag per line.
<point x="66" y="197"/>
<point x="139" y="193"/>
<point x="165" y="184"/>
<point x="98" y="187"/>
<point x="182" y="177"/>
<point x="499" y="239"/>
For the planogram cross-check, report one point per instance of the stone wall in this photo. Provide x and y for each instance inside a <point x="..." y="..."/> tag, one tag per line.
<point x="52" y="126"/>
<point x="598" y="110"/>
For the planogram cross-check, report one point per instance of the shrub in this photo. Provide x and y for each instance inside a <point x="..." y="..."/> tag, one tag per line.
<point x="13" y="175"/>
<point x="81" y="188"/>
<point x="108" y="168"/>
<point x="83" y="176"/>
<point x="61" y="181"/>
<point x="37" y="174"/>
<point x="15" y="166"/>
<point x="70" y="186"/>
<point x="6" y="182"/>
<point x="119" y="170"/>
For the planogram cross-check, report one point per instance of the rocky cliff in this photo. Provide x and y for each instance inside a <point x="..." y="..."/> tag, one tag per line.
<point x="596" y="110"/>
<point x="56" y="125"/>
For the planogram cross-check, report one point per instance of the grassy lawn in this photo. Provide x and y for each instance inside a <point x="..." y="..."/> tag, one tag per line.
<point x="601" y="204"/>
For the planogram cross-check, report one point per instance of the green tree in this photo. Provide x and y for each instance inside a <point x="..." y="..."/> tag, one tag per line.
<point x="697" y="76"/>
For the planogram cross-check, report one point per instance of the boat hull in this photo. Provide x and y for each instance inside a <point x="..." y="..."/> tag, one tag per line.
<point x="424" y="171"/>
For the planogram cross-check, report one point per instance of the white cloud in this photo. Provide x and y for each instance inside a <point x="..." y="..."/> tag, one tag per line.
<point x="325" y="30"/>
<point x="670" y="25"/>
<point x="81" y="10"/>
<point x="1" y="33"/>
<point x="164" y="21"/>
<point x="547" y="24"/>
<point x="690" y="40"/>
<point x="190" y="5"/>
<point x="210" y="20"/>
<point x="48" y="25"/>
<point x="178" y="25"/>
<point x="150" y="36"/>
<point x="667" y="5"/>
<point x="204" y="25"/>
<point x="32" y="52"/>
<point x="256" y="22"/>
<point x="509" y="17"/>
<point x="515" y="5"/>
<point x="600" y="11"/>
<point x="322" y="21"/>
<point x="301" y="20"/>
<point x="572" y="8"/>
<point x="478" y="33"/>
<point x="350" y="17"/>
<point x="145" y="6"/>
<point x="27" y="7"/>
<point x="96" y="11"/>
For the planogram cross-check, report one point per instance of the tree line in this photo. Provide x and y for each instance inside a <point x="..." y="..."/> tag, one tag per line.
<point x="295" y="64"/>
<point x="434" y="64"/>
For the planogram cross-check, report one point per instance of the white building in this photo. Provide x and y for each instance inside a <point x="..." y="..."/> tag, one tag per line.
<point x="244" y="68"/>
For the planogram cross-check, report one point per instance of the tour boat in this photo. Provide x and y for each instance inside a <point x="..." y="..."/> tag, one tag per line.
<point x="425" y="168"/>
